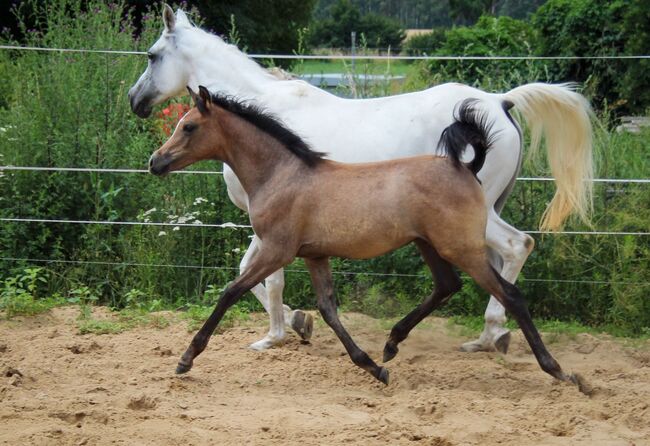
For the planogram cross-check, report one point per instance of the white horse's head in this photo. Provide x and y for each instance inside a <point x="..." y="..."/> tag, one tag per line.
<point x="166" y="75"/>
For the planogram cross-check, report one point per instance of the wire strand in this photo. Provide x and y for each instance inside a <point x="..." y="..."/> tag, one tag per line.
<point x="218" y="172"/>
<point x="292" y="270"/>
<point x="238" y="226"/>
<point x="333" y="56"/>
<point x="227" y="225"/>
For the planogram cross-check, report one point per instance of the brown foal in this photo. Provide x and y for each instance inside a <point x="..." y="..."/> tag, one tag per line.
<point x="302" y="205"/>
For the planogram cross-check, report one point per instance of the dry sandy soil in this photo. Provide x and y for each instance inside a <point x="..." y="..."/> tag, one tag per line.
<point x="61" y="388"/>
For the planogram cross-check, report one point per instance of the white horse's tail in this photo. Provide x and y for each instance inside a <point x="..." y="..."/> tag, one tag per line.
<point x="563" y="116"/>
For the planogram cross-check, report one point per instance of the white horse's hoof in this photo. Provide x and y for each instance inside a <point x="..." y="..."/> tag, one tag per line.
<point x="500" y="344"/>
<point x="303" y="324"/>
<point x="266" y="343"/>
<point x="475" y="346"/>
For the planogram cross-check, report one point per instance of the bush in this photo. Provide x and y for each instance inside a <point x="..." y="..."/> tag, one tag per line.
<point x="586" y="28"/>
<point x="491" y="36"/>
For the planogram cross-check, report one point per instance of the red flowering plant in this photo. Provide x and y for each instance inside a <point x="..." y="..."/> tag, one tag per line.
<point x="169" y="116"/>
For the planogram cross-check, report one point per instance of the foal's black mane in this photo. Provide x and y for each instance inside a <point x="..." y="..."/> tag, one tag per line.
<point x="270" y="124"/>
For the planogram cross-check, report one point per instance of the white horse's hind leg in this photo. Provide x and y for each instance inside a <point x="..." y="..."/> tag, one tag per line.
<point x="514" y="247"/>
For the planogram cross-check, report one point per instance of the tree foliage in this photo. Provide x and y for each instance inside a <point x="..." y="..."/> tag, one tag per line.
<point x="263" y="26"/>
<point x="584" y="28"/>
<point x="335" y="32"/>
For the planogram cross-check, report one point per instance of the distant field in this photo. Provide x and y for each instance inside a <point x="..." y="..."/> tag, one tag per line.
<point x="398" y="67"/>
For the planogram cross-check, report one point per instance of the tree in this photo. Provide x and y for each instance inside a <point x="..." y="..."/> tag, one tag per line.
<point x="467" y="12"/>
<point x="636" y="33"/>
<point x="379" y="31"/>
<point x="584" y="28"/>
<point x="262" y="26"/>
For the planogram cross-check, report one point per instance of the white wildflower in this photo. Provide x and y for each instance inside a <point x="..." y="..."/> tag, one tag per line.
<point x="161" y="233"/>
<point x="175" y="228"/>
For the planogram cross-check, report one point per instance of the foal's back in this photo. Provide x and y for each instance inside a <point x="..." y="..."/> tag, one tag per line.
<point x="365" y="210"/>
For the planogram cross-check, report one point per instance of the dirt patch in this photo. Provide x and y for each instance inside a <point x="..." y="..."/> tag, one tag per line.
<point x="71" y="389"/>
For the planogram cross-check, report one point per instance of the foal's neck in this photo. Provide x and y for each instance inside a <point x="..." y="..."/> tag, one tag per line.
<point x="224" y="68"/>
<point x="256" y="157"/>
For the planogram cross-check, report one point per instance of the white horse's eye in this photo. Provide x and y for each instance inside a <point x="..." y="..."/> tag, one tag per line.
<point x="151" y="56"/>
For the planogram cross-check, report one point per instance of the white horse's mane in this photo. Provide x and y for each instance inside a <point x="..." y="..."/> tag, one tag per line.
<point x="198" y="42"/>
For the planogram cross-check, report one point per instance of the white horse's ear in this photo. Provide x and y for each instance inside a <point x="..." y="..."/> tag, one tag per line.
<point x="181" y="18"/>
<point x="169" y="19"/>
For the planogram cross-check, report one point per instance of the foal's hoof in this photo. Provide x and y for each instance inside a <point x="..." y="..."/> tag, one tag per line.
<point x="390" y="350"/>
<point x="183" y="368"/>
<point x="579" y="381"/>
<point x="383" y="375"/>
<point x="303" y="324"/>
<point x="503" y="342"/>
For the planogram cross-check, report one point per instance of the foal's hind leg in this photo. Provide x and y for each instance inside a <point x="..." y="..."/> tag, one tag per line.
<point x="512" y="248"/>
<point x="321" y="277"/>
<point x="446" y="282"/>
<point x="511" y="298"/>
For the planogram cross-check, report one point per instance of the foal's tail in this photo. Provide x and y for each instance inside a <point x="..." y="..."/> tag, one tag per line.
<point x="564" y="118"/>
<point x="470" y="126"/>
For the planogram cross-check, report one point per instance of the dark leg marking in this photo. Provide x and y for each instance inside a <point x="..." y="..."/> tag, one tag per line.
<point x="447" y="283"/>
<point x="321" y="278"/>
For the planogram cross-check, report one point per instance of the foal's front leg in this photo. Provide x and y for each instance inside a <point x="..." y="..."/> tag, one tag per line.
<point x="271" y="299"/>
<point x="262" y="264"/>
<point x="321" y="278"/>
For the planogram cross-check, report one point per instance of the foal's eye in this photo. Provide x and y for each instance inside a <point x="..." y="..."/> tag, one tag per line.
<point x="189" y="128"/>
<point x="151" y="57"/>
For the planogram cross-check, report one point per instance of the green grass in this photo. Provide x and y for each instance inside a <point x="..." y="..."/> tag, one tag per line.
<point x="312" y="66"/>
<point x="196" y="315"/>
<point x="123" y="320"/>
<point x="473" y="325"/>
<point x="25" y="304"/>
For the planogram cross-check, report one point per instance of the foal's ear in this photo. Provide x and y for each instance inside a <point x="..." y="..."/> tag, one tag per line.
<point x="205" y="94"/>
<point x="201" y="100"/>
<point x="193" y="95"/>
<point x="169" y="19"/>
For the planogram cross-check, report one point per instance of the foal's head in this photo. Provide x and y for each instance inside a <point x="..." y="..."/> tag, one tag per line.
<point x="198" y="136"/>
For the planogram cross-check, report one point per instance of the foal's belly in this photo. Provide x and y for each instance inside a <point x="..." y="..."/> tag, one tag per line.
<point x="368" y="251"/>
<point x="355" y="242"/>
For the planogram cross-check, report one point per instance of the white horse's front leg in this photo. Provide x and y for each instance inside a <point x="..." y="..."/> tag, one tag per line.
<point x="273" y="306"/>
<point x="277" y="313"/>
<point x="514" y="247"/>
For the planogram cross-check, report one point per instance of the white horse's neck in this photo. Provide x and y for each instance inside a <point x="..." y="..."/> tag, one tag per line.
<point x="222" y="67"/>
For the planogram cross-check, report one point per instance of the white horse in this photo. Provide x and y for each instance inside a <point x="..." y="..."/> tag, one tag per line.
<point x="361" y="130"/>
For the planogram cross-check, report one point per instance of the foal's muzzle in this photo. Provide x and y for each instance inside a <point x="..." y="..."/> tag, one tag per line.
<point x="159" y="165"/>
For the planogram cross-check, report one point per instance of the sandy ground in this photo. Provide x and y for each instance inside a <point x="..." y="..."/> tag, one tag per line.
<point x="61" y="388"/>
